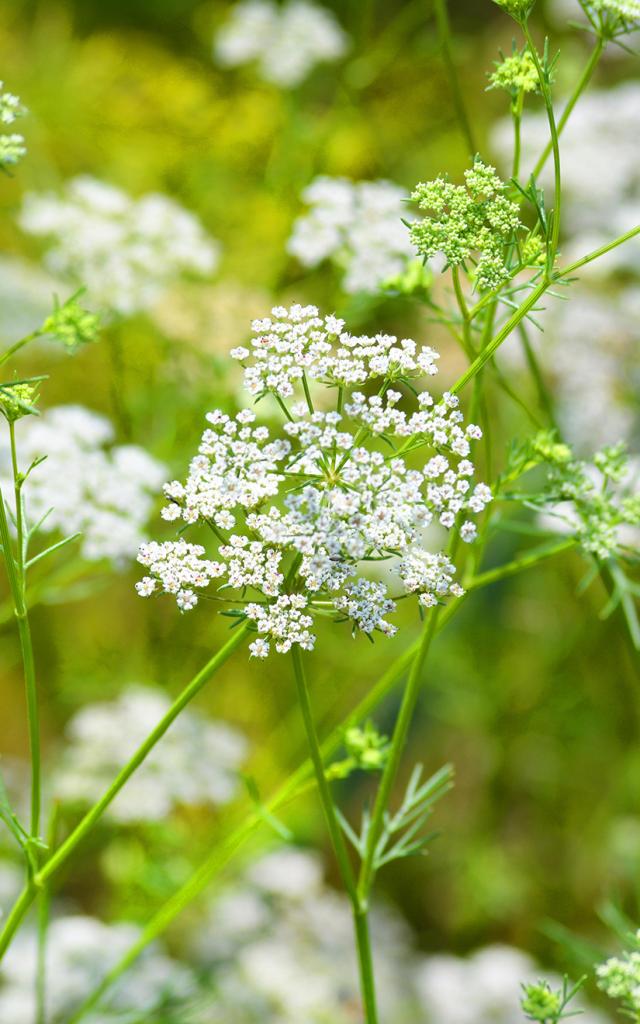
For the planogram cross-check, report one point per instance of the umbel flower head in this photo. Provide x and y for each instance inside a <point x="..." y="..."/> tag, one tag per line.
<point x="297" y="518"/>
<point x="515" y="73"/>
<point x="619" y="977"/>
<point x="472" y="223"/>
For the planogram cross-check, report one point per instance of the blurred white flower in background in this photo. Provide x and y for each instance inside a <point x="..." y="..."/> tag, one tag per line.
<point x="358" y="226"/>
<point x="80" y="951"/>
<point x="279" y="945"/>
<point x="125" y="251"/>
<point x="286" y="41"/>
<point x="105" y="493"/>
<point x="484" y="988"/>
<point x="197" y="762"/>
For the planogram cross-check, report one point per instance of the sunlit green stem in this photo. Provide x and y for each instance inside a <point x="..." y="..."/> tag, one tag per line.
<point x="444" y="32"/>
<point x="64" y="851"/>
<point x="581" y="85"/>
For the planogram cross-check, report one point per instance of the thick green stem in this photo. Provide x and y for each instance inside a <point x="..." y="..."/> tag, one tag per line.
<point x="337" y="840"/>
<point x="444" y="32"/>
<point x="54" y="862"/>
<point x="516" y="113"/>
<point x="581" y="85"/>
<point x="410" y="696"/>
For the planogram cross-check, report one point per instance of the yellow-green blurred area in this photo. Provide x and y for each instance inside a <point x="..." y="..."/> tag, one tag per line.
<point x="528" y="693"/>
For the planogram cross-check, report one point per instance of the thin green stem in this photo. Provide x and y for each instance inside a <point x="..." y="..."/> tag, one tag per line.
<point x="63" y="852"/>
<point x="581" y="85"/>
<point x="597" y="253"/>
<point x="44" y="908"/>
<point x="403" y="721"/>
<point x="11" y="351"/>
<point x="464" y="313"/>
<point x="444" y="32"/>
<point x="552" y="248"/>
<point x="337" y="839"/>
<point x="15" y="564"/>
<point x="516" y="112"/>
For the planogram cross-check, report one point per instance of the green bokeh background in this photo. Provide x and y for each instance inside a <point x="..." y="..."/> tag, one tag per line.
<point x="530" y="695"/>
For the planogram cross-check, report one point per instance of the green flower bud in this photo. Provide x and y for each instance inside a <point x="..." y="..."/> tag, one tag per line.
<point x="540" y="1003"/>
<point x="72" y="325"/>
<point x="18" y="400"/>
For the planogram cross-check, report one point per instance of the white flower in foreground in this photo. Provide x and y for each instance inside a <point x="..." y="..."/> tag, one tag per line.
<point x="358" y="226"/>
<point x="286" y="41"/>
<point x="197" y="763"/>
<point x="105" y="493"/>
<point x="80" y="951"/>
<point x="125" y="251"/>
<point x="294" y="520"/>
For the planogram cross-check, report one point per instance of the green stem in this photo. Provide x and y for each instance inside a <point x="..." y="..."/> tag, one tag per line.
<point x="444" y="32"/>
<point x="581" y="85"/>
<point x="44" y="908"/>
<point x="17" y="582"/>
<point x="55" y="861"/>
<point x="407" y="707"/>
<point x="337" y="840"/>
<point x="552" y="249"/>
<point x="464" y="313"/>
<point x="517" y="133"/>
<point x="520" y="564"/>
<point x="602" y="251"/>
<point x="503" y="333"/>
<point x="11" y="351"/>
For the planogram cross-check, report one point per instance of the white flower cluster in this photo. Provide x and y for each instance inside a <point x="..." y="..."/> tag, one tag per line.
<point x="83" y="485"/>
<point x="295" y="519"/>
<point x="197" y="763"/>
<point x="285" y="41"/>
<point x="125" y="251"/>
<point x="80" y="951"/>
<point x="299" y="342"/>
<point x="358" y="226"/>
<point x="12" y="147"/>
